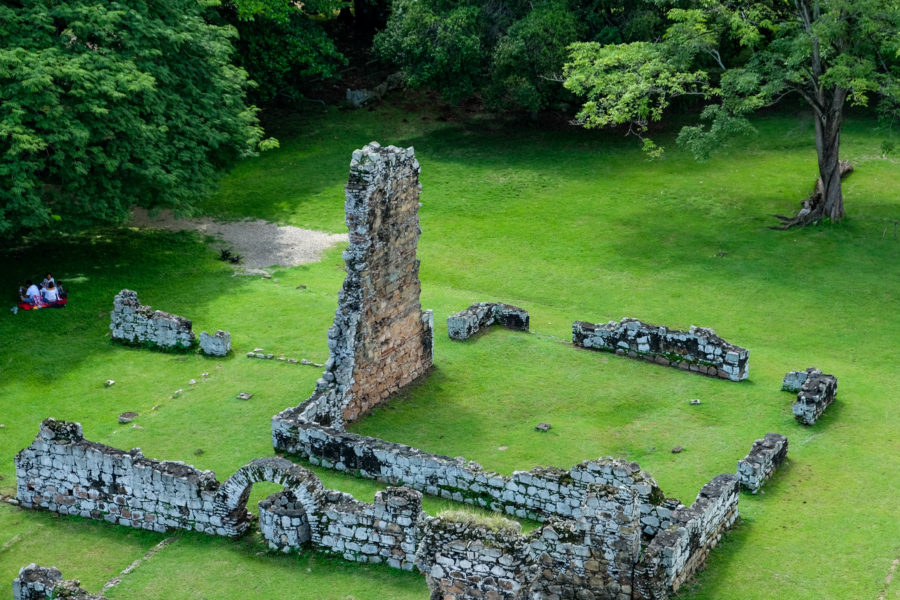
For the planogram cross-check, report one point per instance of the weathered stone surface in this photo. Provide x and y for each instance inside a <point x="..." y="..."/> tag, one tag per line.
<point x="40" y="583"/>
<point x="133" y="323"/>
<point x="215" y="345"/>
<point x="816" y="393"/>
<point x="481" y="315"/>
<point x="698" y="350"/>
<point x="765" y="456"/>
<point x="381" y="339"/>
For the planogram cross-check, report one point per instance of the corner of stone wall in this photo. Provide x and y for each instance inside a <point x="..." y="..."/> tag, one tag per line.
<point x="40" y="583"/>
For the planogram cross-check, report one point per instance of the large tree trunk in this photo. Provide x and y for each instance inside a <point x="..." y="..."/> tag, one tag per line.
<point x="828" y="141"/>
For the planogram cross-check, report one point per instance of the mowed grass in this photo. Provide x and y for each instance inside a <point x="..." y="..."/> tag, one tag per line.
<point x="571" y="225"/>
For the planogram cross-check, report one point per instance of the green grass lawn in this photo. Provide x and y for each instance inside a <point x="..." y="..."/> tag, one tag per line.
<point x="570" y="225"/>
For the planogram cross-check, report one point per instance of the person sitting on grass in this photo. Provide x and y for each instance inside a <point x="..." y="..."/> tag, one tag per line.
<point x="32" y="293"/>
<point x="50" y="293"/>
<point x="47" y="281"/>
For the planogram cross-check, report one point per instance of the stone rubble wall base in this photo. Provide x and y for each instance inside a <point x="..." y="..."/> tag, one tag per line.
<point x="538" y="494"/>
<point x="764" y="457"/>
<point x="481" y="315"/>
<point x="133" y="323"/>
<point x="381" y="339"/>
<point x="698" y="350"/>
<point x="40" y="583"/>
<point x="815" y="392"/>
<point x="677" y="553"/>
<point x="218" y="344"/>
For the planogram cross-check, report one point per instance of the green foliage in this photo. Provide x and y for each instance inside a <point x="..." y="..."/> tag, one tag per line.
<point x="740" y="57"/>
<point x="511" y="52"/>
<point x="282" y="53"/>
<point x="103" y="106"/>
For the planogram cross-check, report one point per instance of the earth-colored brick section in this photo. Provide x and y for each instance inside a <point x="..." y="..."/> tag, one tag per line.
<point x="392" y="336"/>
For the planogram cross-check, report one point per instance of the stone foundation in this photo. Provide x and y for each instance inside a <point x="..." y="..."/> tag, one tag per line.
<point x="698" y="350"/>
<point x="765" y="456"/>
<point x="215" y="345"/>
<point x="816" y="394"/>
<point x="133" y="323"/>
<point x="40" y="583"/>
<point x="481" y="315"/>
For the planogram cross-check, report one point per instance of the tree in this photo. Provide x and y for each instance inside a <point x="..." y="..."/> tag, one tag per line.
<point x="739" y="56"/>
<point x="108" y="105"/>
<point x="510" y="52"/>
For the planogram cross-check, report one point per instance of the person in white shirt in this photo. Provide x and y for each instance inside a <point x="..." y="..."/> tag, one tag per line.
<point x="47" y="281"/>
<point x="32" y="293"/>
<point x="50" y="293"/>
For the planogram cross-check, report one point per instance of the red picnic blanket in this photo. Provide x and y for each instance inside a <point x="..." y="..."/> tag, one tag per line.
<point x="58" y="304"/>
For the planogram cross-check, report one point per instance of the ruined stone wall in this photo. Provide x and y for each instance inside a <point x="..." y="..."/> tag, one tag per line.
<point x="62" y="472"/>
<point x="538" y="494"/>
<point x="381" y="339"/>
<point x="815" y="392"/>
<point x="699" y="350"/>
<point x="133" y="323"/>
<point x="480" y="315"/>
<point x="40" y="583"/>
<point x="760" y="463"/>
<point x="677" y="553"/>
<point x="383" y="532"/>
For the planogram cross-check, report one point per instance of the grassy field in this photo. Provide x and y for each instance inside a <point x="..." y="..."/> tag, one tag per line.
<point x="567" y="224"/>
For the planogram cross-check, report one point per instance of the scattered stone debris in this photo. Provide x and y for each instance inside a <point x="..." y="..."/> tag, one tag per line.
<point x="155" y="406"/>
<point x="177" y="393"/>
<point x="136" y="427"/>
<point x="109" y="383"/>
<point x="301" y="287"/>
<point x="127" y="417"/>
<point x="244" y="396"/>
<point x="481" y="315"/>
<point x="502" y="448"/>
<point x="695" y="401"/>
<point x="198" y="451"/>
<point x="204" y="375"/>
<point x="542" y="427"/>
<point x="257" y="349"/>
<point x="192" y="382"/>
<point x="677" y="450"/>
<point x="260" y="353"/>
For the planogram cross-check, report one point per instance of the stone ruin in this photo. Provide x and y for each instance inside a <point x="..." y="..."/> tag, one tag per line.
<point x="765" y="456"/>
<point x="40" y="583"/>
<point x="381" y="339"/>
<point x="481" y="315"/>
<point x="608" y="531"/>
<point x="595" y="551"/>
<point x="134" y="324"/>
<point x="698" y="350"/>
<point x="815" y="392"/>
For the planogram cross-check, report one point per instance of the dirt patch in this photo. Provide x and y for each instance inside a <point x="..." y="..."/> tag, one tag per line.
<point x="261" y="244"/>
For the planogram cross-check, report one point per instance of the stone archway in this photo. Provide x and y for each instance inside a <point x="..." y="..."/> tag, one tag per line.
<point x="230" y="503"/>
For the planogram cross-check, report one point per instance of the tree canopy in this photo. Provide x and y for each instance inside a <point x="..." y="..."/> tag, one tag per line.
<point x="510" y="52"/>
<point x="739" y="56"/>
<point x="108" y="105"/>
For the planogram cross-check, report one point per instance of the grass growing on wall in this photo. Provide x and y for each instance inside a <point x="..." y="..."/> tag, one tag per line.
<point x="571" y="226"/>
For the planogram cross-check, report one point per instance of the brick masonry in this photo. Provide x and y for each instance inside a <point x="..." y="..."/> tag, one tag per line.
<point x="698" y="350"/>
<point x="381" y="339"/>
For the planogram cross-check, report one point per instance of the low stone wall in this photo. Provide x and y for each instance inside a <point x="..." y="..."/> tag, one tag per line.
<point x="815" y="392"/>
<point x="463" y="559"/>
<point x="678" y="552"/>
<point x="218" y="344"/>
<point x="133" y="323"/>
<point x="62" y="472"/>
<point x="765" y="456"/>
<point x="538" y="494"/>
<point x="698" y="350"/>
<point x="40" y="583"/>
<point x="470" y="321"/>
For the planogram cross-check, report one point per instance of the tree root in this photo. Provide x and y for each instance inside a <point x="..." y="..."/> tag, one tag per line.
<point x="812" y="210"/>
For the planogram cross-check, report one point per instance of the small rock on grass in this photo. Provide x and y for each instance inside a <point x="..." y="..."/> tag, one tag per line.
<point x="677" y="449"/>
<point x="192" y="382"/>
<point x="109" y="383"/>
<point x="542" y="427"/>
<point x="127" y="417"/>
<point x="695" y="401"/>
<point x="244" y="396"/>
<point x="198" y="451"/>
